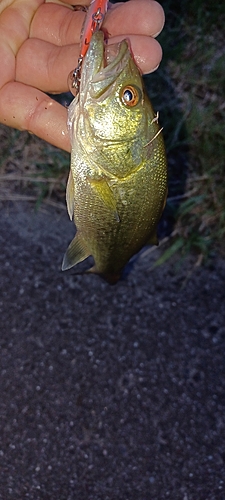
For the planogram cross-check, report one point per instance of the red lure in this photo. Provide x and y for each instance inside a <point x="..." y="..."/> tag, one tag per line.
<point x="94" y="19"/>
<point x="93" y="22"/>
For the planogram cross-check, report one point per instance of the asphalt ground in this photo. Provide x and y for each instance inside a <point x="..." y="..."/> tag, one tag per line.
<point x="107" y="393"/>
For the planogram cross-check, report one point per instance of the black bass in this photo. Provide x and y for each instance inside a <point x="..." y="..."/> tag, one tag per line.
<point x="117" y="185"/>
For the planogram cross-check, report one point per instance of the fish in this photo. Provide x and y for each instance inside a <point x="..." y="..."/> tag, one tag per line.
<point x="117" y="185"/>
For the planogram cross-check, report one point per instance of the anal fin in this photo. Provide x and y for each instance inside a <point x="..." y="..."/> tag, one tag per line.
<point x="75" y="253"/>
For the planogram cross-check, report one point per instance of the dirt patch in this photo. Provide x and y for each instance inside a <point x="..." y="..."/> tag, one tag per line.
<point x="107" y="392"/>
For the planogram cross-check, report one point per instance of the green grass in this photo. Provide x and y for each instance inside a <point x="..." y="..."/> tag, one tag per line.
<point x="30" y="169"/>
<point x="194" y="61"/>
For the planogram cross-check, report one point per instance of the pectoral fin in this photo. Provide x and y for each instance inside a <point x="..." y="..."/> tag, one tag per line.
<point x="70" y="195"/>
<point x="105" y="193"/>
<point x="75" y="253"/>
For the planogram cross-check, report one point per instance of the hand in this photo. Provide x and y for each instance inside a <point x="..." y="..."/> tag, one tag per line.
<point x="39" y="46"/>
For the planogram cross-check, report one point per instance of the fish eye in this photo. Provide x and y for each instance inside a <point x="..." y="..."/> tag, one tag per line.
<point x="130" y="95"/>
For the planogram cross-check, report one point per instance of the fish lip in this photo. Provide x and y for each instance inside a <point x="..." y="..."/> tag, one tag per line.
<point x="115" y="66"/>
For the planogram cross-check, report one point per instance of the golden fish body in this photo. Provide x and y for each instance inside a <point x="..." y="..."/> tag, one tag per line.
<point x="117" y="186"/>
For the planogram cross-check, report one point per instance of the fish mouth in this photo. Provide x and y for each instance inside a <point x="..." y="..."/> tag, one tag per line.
<point x="104" y="63"/>
<point x="114" y="57"/>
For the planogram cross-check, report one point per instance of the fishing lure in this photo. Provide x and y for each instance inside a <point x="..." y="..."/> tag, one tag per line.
<point x="93" y="22"/>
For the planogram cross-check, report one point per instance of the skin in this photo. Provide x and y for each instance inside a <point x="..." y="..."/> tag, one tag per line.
<point x="39" y="46"/>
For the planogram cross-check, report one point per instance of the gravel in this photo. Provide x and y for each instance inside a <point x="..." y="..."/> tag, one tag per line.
<point x="107" y="393"/>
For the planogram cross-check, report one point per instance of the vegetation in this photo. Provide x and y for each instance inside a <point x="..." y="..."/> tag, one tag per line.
<point x="30" y="169"/>
<point x="194" y="63"/>
<point x="188" y="90"/>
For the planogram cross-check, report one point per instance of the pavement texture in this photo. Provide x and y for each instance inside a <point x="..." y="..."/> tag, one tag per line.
<point x="107" y="393"/>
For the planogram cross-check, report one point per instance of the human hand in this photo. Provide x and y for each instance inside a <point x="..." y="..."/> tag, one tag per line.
<point x="39" y="46"/>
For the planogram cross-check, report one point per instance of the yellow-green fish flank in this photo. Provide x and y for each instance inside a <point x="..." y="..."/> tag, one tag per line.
<point x="117" y="186"/>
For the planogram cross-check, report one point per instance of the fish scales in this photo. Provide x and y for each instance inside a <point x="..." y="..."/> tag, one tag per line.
<point x="117" y="188"/>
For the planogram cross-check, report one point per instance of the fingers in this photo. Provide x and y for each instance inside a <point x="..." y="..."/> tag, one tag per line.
<point x="30" y="109"/>
<point x="136" y="17"/>
<point x="51" y="52"/>
<point x="66" y="24"/>
<point x="73" y="2"/>
<point x="45" y="66"/>
<point x="147" y="52"/>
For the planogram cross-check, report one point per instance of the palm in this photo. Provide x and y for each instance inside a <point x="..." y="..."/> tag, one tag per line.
<point x="39" y="46"/>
